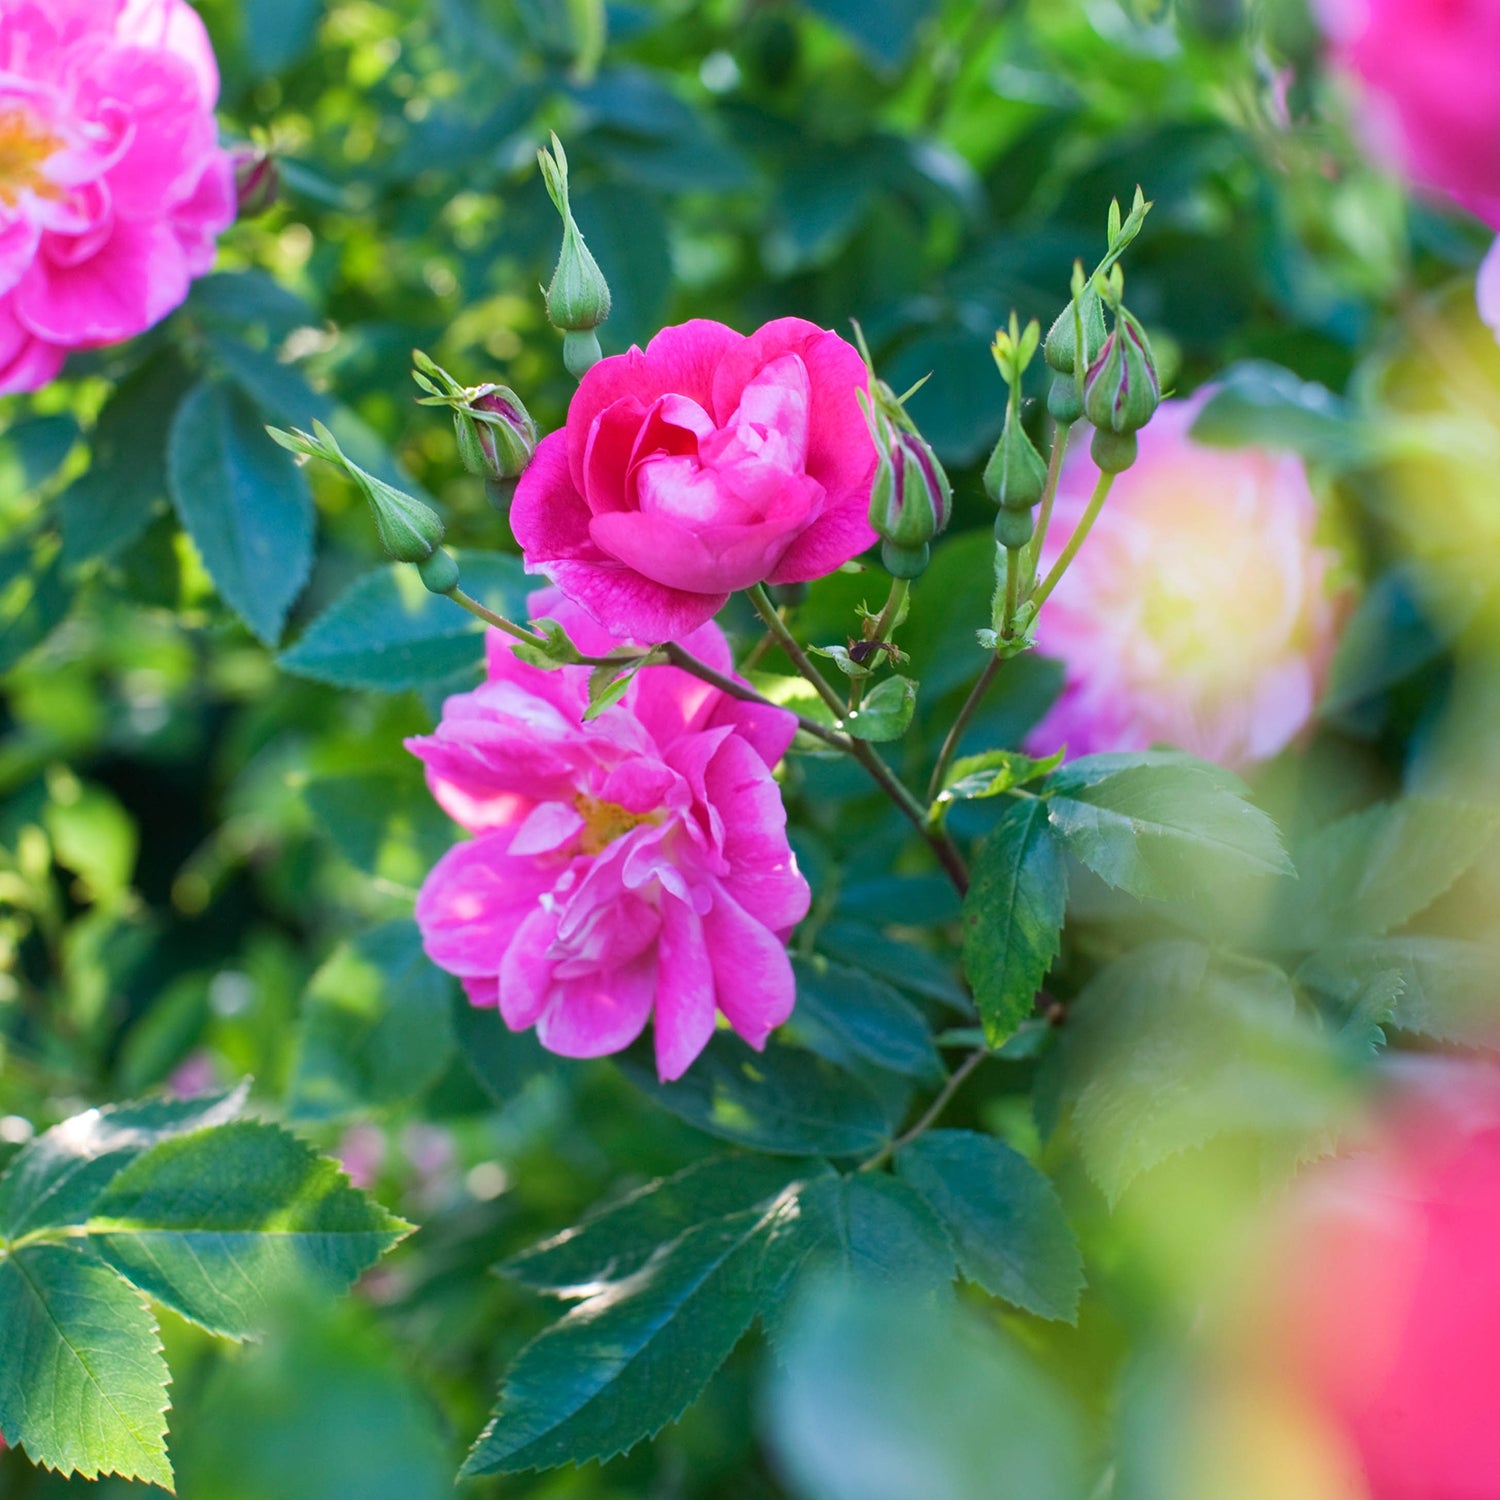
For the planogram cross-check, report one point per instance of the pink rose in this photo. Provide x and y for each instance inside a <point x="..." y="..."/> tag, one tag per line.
<point x="634" y="863"/>
<point x="113" y="188"/>
<point x="707" y="463"/>
<point x="1431" y="76"/>
<point x="1385" y="1303"/>
<point x="1197" y="613"/>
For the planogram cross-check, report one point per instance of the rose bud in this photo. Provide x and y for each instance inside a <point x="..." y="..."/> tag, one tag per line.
<point x="257" y="180"/>
<point x="1016" y="474"/>
<point x="496" y="436"/>
<point x="911" y="498"/>
<point x="1061" y="348"/>
<point x="1121" y="390"/>
<point x="578" y="298"/>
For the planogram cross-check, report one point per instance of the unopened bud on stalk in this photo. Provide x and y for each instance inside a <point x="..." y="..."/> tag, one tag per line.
<point x="257" y="180"/>
<point x="1121" y="391"/>
<point x="1061" y="349"/>
<point x="439" y="572"/>
<point x="911" y="498"/>
<point x="578" y="297"/>
<point x="495" y="433"/>
<point x="1016" y="474"/>
<point x="1113" y="452"/>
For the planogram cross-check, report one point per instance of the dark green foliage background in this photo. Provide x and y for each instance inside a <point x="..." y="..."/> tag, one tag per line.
<point x="209" y="859"/>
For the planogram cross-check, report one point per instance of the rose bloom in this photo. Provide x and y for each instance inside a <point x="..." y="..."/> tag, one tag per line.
<point x="1430" y="71"/>
<point x="704" y="464"/>
<point x="1383" y="1309"/>
<point x="1196" y="613"/>
<point x="113" y="188"/>
<point x="631" y="864"/>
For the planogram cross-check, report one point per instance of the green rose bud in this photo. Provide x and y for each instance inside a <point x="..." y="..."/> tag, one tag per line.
<point x="1062" y="400"/>
<point x="1016" y="474"/>
<point x="1060" y="350"/>
<point x="911" y="499"/>
<point x="578" y="296"/>
<point x="439" y="572"/>
<point x="1113" y="452"/>
<point x="1121" y="391"/>
<point x="496" y="436"/>
<point x="1013" y="528"/>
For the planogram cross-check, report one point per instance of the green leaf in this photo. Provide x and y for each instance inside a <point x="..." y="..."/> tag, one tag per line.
<point x="875" y="1231"/>
<point x="609" y="684"/>
<point x="502" y="1061"/>
<point x="783" y="1100"/>
<point x="245" y="504"/>
<point x="375" y="1028"/>
<point x="32" y="451"/>
<point x="1442" y="987"/>
<point x="1377" y="869"/>
<point x="886" y="710"/>
<point x="904" y="964"/>
<point x="34" y="596"/>
<point x="1164" y="831"/>
<point x="1164" y="1050"/>
<point x="615" y="1242"/>
<point x="624" y="1363"/>
<point x="853" y="1015"/>
<point x="56" y="1179"/>
<point x="83" y="1385"/>
<point x="1261" y="405"/>
<point x="215" y="1225"/>
<point x="994" y="772"/>
<point x="107" y="508"/>
<point x="388" y="632"/>
<point x="1004" y="1216"/>
<point x="1013" y="916"/>
<point x="878" y="1398"/>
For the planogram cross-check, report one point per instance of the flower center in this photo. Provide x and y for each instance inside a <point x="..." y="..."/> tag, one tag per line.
<point x="25" y="145"/>
<point x="604" y="822"/>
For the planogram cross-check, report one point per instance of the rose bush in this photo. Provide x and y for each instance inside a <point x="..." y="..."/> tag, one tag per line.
<point x="113" y="186"/>
<point x="702" y="464"/>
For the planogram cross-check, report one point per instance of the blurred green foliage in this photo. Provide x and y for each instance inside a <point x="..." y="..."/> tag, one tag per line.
<point x="208" y="857"/>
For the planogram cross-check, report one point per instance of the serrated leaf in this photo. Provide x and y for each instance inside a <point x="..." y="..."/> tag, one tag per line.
<point x="1444" y="988"/>
<point x="877" y="1232"/>
<point x="1377" y="869"/>
<point x="624" y="1363"/>
<point x="848" y="1014"/>
<point x="613" y="1243"/>
<point x="83" y="1385"/>
<point x="55" y="1180"/>
<point x="886" y="711"/>
<point x="1164" y="1051"/>
<point x="245" y="504"/>
<point x="994" y="772"/>
<point x="1013" y="916"/>
<point x="375" y="1027"/>
<point x="1003" y="1216"/>
<point x="1164" y="831"/>
<point x="783" y="1100"/>
<point x="388" y="632"/>
<point x="217" y="1224"/>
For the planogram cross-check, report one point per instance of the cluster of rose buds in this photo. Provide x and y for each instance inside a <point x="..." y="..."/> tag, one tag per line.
<point x="1016" y="475"/>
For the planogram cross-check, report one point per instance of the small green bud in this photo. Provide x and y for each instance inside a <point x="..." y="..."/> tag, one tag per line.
<point x="1061" y="350"/>
<point x="910" y="499"/>
<point x="1013" y="528"/>
<point x="1121" y="391"/>
<point x="1016" y="474"/>
<point x="495" y="433"/>
<point x="1113" y="452"/>
<point x="439" y="572"/>
<point x="581" y="352"/>
<point x="1062" y="400"/>
<point x="578" y="297"/>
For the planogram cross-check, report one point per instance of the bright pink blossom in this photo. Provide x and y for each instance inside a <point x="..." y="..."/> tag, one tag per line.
<point x="1431" y="76"/>
<point x="113" y="187"/>
<point x="1385" y="1302"/>
<point x="1197" y="614"/>
<point x="706" y="463"/>
<point x="631" y="864"/>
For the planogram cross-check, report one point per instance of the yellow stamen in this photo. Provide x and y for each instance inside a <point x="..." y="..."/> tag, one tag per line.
<point x="25" y="146"/>
<point x="604" y="822"/>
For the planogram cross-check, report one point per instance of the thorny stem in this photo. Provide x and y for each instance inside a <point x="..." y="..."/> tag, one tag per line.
<point x="1080" y="535"/>
<point x="683" y="660"/>
<point x="885" y="625"/>
<point x="942" y="845"/>
<point x="930" y="1116"/>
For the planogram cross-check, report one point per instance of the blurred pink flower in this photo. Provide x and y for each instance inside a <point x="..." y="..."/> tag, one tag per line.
<point x="1197" y="613"/>
<point x="634" y="863"/>
<point x="1385" y="1305"/>
<point x="1431" y="76"/>
<point x="1487" y="290"/>
<point x="113" y="188"/>
<point x="705" y="463"/>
